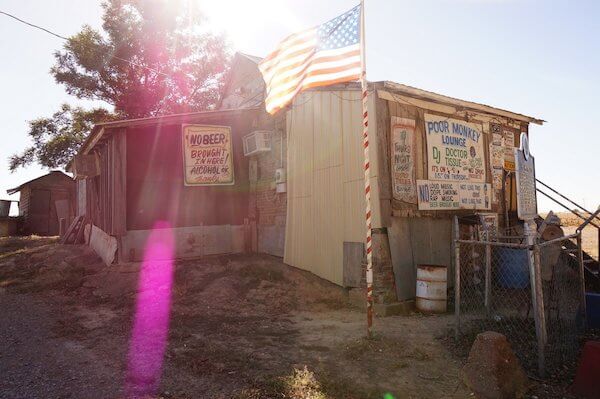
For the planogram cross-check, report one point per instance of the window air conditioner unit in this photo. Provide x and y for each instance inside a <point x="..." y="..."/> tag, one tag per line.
<point x="257" y="142"/>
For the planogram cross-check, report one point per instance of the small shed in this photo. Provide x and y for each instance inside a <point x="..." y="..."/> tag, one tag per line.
<point x="44" y="201"/>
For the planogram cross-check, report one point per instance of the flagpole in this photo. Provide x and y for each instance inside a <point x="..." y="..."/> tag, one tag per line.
<point x="363" y="84"/>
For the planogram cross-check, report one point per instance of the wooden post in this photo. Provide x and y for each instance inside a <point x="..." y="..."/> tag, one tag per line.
<point x="537" y="297"/>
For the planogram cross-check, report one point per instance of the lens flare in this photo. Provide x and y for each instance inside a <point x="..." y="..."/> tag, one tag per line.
<point x="153" y="305"/>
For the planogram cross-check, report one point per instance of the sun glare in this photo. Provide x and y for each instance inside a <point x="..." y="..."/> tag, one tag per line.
<point x="241" y="20"/>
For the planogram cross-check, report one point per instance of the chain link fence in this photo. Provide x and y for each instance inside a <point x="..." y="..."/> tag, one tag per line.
<point x="533" y="294"/>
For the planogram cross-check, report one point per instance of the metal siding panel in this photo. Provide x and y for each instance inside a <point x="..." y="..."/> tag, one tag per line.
<point x="325" y="185"/>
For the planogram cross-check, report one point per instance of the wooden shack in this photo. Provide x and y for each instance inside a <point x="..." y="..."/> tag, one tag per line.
<point x="150" y="171"/>
<point x="44" y="201"/>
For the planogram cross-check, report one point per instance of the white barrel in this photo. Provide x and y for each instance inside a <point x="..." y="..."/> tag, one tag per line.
<point x="432" y="288"/>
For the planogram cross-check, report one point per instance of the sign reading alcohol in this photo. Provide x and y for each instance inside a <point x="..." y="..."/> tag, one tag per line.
<point x="455" y="150"/>
<point x="525" y="172"/>
<point x="207" y="155"/>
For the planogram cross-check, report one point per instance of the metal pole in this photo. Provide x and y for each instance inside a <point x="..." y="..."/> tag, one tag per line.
<point x="488" y="277"/>
<point x="456" y="278"/>
<point x="536" y="293"/>
<point x="363" y="84"/>
<point x="582" y="277"/>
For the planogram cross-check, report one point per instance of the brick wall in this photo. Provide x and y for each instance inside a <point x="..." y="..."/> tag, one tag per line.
<point x="268" y="208"/>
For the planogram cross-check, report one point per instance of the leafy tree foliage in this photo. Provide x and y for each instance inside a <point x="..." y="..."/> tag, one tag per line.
<point x="152" y="57"/>
<point x="56" y="139"/>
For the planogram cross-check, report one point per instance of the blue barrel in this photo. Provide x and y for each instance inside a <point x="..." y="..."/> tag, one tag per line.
<point x="512" y="267"/>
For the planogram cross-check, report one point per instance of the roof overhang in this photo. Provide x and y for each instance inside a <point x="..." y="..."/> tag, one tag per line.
<point x="402" y="93"/>
<point x="100" y="129"/>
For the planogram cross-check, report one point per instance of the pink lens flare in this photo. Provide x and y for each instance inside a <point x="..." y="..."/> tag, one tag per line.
<point x="151" y="323"/>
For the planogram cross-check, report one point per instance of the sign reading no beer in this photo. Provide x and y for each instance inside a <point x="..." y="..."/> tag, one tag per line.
<point x="207" y="155"/>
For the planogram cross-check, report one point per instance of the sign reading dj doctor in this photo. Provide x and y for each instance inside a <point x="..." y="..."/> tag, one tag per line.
<point x="455" y="150"/>
<point x="207" y="155"/>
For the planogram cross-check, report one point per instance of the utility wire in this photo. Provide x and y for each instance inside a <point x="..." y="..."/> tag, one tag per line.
<point x="66" y="38"/>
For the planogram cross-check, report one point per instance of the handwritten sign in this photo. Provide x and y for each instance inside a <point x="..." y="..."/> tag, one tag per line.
<point x="525" y="173"/>
<point x="440" y="195"/>
<point x="403" y="160"/>
<point x="489" y="226"/>
<point x="455" y="150"/>
<point x="207" y="155"/>
<point x="509" y="146"/>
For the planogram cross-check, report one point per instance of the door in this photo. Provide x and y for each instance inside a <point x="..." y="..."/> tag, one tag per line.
<point x="39" y="212"/>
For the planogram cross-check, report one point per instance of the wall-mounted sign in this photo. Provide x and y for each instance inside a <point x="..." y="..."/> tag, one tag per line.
<point x="441" y="195"/>
<point x="207" y="155"/>
<point x="488" y="230"/>
<point x="455" y="150"/>
<point x="509" y="146"/>
<point x="525" y="173"/>
<point x="403" y="160"/>
<point x="496" y="159"/>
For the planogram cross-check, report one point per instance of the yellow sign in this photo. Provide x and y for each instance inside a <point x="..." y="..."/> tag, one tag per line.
<point x="207" y="155"/>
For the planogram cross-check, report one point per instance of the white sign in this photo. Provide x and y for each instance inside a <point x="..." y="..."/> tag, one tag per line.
<point x="489" y="226"/>
<point x="455" y="150"/>
<point x="509" y="147"/>
<point x="440" y="195"/>
<point x="403" y="160"/>
<point x="207" y="155"/>
<point x="525" y="173"/>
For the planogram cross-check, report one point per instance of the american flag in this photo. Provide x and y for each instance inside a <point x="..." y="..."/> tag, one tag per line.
<point x="320" y="56"/>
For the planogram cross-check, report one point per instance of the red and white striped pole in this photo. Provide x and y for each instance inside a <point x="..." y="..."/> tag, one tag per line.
<point x="363" y="83"/>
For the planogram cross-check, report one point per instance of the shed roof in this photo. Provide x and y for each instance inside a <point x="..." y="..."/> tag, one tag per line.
<point x="52" y="173"/>
<point x="99" y="129"/>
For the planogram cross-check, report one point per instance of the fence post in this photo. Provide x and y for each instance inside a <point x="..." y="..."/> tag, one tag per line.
<point x="537" y="297"/>
<point x="582" y="276"/>
<point x="456" y="237"/>
<point x="488" y="277"/>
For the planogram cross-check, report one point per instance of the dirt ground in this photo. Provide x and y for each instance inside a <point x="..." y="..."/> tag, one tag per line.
<point x="244" y="327"/>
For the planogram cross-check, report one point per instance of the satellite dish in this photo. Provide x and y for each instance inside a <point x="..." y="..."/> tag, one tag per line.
<point x="525" y="146"/>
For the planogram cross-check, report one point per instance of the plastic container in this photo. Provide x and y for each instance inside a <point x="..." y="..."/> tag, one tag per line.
<point x="512" y="267"/>
<point x="432" y="288"/>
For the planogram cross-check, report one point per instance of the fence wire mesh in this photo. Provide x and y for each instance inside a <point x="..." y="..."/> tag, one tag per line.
<point x="496" y="294"/>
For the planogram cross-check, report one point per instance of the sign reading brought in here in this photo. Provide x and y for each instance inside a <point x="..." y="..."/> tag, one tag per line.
<point x="207" y="155"/>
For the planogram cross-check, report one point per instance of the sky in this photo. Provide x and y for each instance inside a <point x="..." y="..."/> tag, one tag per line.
<point x="539" y="58"/>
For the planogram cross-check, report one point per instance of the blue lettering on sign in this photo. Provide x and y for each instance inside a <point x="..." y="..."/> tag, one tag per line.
<point x="465" y="131"/>
<point x="424" y="193"/>
<point x="438" y="127"/>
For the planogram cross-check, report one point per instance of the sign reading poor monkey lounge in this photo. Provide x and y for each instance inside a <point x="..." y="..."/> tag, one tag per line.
<point x="455" y="150"/>
<point x="207" y="155"/>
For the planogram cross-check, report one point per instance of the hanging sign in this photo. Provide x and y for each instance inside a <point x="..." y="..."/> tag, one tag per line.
<point x="207" y="155"/>
<point x="440" y="195"/>
<point x="455" y="150"/>
<point x="403" y="160"/>
<point x="525" y="173"/>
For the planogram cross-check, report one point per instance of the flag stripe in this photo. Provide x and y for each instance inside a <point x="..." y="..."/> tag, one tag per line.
<point x="327" y="60"/>
<point x="320" y="56"/>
